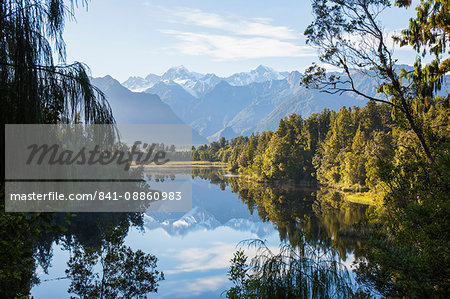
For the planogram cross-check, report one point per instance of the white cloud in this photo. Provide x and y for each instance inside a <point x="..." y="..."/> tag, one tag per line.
<point x="235" y="24"/>
<point x="200" y="259"/>
<point x="224" y="47"/>
<point x="193" y="287"/>
<point x="231" y="37"/>
<point x="196" y="259"/>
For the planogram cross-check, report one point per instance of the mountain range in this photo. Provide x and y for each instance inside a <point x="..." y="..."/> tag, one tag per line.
<point x="199" y="84"/>
<point x="217" y="107"/>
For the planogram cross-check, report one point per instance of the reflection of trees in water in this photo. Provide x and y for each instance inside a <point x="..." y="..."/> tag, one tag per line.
<point x="123" y="272"/>
<point x="27" y="238"/>
<point x="294" y="209"/>
<point x="322" y="215"/>
<point x="285" y="206"/>
<point x="313" y="226"/>
<point x="97" y="239"/>
<point x="160" y="177"/>
<point x="211" y="174"/>
<point x="339" y="218"/>
<point x="85" y="229"/>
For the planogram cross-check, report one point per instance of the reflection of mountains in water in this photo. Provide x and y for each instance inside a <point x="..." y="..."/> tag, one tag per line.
<point x="214" y="205"/>
<point x="261" y="208"/>
<point x="199" y="219"/>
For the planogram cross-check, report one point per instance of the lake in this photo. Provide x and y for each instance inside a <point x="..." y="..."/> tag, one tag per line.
<point x="194" y="248"/>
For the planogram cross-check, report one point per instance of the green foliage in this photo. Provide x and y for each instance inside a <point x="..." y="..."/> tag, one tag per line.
<point x="345" y="159"/>
<point x="238" y="276"/>
<point x="408" y="249"/>
<point x="428" y="33"/>
<point x="368" y="53"/>
<point x="360" y="149"/>
<point x="409" y="242"/>
<point x="338" y="149"/>
<point x="18" y="234"/>
<point x="35" y="90"/>
<point x="284" y="154"/>
<point x="323" y="216"/>
<point x="406" y="160"/>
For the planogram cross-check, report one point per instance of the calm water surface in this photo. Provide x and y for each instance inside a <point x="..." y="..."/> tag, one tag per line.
<point x="194" y="248"/>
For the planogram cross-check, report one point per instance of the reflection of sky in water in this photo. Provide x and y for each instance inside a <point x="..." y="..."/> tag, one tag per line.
<point x="195" y="265"/>
<point x="193" y="249"/>
<point x="194" y="252"/>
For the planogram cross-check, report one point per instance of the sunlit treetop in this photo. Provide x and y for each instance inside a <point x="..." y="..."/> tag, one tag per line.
<point x="428" y="33"/>
<point x="429" y="30"/>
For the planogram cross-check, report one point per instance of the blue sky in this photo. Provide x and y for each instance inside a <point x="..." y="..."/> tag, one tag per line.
<point x="137" y="37"/>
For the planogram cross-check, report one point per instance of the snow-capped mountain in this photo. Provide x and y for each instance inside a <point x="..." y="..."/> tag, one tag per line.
<point x="199" y="84"/>
<point x="194" y="83"/>
<point x="139" y="84"/>
<point x="136" y="84"/>
<point x="180" y="73"/>
<point x="242" y="103"/>
<point x="258" y="75"/>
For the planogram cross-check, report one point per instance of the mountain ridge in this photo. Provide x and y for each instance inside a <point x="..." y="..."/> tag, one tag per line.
<point x="181" y="75"/>
<point x="240" y="104"/>
<point x="138" y="107"/>
<point x="246" y="102"/>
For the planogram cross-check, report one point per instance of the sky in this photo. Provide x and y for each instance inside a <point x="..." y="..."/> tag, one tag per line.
<point x="125" y="38"/>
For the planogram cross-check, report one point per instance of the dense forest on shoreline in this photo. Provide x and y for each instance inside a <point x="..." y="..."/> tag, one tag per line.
<point x="332" y="148"/>
<point x="345" y="149"/>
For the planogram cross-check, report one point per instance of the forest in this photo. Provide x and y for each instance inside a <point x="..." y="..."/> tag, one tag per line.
<point x="336" y="149"/>
<point x="364" y="150"/>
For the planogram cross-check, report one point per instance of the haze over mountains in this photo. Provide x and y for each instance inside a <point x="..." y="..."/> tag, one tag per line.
<point x="137" y="107"/>
<point x="240" y="104"/>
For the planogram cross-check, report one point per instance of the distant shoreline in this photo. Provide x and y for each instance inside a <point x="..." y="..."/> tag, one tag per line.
<point x="195" y="164"/>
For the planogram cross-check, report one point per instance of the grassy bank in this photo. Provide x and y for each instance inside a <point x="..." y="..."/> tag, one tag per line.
<point x="366" y="198"/>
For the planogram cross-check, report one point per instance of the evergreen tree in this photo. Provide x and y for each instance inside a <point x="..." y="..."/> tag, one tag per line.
<point x="367" y="52"/>
<point x="404" y="257"/>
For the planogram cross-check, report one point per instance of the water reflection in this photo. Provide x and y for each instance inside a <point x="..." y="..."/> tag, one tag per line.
<point x="321" y="214"/>
<point x="123" y="273"/>
<point x="194" y="248"/>
<point x="99" y="264"/>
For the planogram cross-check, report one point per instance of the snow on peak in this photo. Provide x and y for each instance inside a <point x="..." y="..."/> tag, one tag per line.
<point x="201" y="219"/>
<point x="263" y="69"/>
<point x="198" y="84"/>
<point x="180" y="73"/>
<point x="139" y="84"/>
<point x="260" y="74"/>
